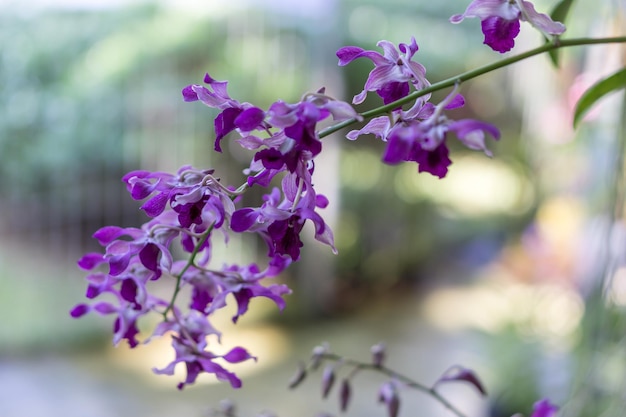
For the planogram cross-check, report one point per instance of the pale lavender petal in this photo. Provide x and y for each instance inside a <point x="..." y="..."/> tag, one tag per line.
<point x="282" y="114"/>
<point x="168" y="370"/>
<point x="377" y="126"/>
<point x="290" y="187"/>
<point x="465" y="126"/>
<point x="472" y="133"/>
<point x="219" y="87"/>
<point x="483" y="9"/>
<point x="389" y="52"/>
<point x="541" y="21"/>
<point x="327" y="238"/>
<point x="457" y="18"/>
<point x="209" y="98"/>
<point x="250" y="142"/>
<point x="341" y="110"/>
<point x="359" y="98"/>
<point x="221" y="373"/>
<point x="384" y="74"/>
<point x="418" y="72"/>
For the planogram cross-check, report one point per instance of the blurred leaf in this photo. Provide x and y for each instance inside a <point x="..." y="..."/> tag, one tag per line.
<point x="559" y="14"/>
<point x="597" y="91"/>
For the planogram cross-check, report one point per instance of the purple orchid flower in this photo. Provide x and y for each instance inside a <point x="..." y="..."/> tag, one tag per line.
<point x="500" y="21"/>
<point x="234" y="115"/>
<point x="124" y="326"/>
<point x="197" y="199"/>
<point x="419" y="134"/>
<point x="134" y="302"/>
<point x="244" y="284"/>
<point x="280" y="223"/>
<point x="190" y="348"/>
<point x="297" y="143"/>
<point x="393" y="73"/>
<point x="149" y="247"/>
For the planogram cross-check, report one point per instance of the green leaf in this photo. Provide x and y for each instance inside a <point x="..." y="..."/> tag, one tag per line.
<point x="559" y="14"/>
<point x="561" y="10"/>
<point x="554" y="57"/>
<point x="597" y="91"/>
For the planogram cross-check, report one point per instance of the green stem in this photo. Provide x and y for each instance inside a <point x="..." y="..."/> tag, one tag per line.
<point x="190" y="262"/>
<point x="557" y="44"/>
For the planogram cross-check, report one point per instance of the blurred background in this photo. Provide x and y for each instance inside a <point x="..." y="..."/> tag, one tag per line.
<point x="511" y="266"/>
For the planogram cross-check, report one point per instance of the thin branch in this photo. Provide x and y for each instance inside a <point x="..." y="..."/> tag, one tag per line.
<point x="560" y="43"/>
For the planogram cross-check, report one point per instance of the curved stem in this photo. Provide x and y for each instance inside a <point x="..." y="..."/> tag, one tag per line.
<point x="393" y="374"/>
<point x="190" y="262"/>
<point x="557" y="44"/>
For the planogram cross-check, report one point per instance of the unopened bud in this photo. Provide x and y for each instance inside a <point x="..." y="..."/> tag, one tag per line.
<point x="317" y="356"/>
<point x="378" y="354"/>
<point x="328" y="380"/>
<point x="458" y="373"/>
<point x="299" y="376"/>
<point x="388" y="394"/>
<point x="345" y="395"/>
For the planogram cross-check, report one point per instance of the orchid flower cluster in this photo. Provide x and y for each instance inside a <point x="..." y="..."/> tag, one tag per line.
<point x="191" y="208"/>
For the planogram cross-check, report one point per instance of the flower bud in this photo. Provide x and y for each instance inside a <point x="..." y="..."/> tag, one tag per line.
<point x="298" y="377"/>
<point x="318" y="355"/>
<point x="458" y="373"/>
<point x="378" y="354"/>
<point x="328" y="380"/>
<point x="389" y="395"/>
<point x="345" y="394"/>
